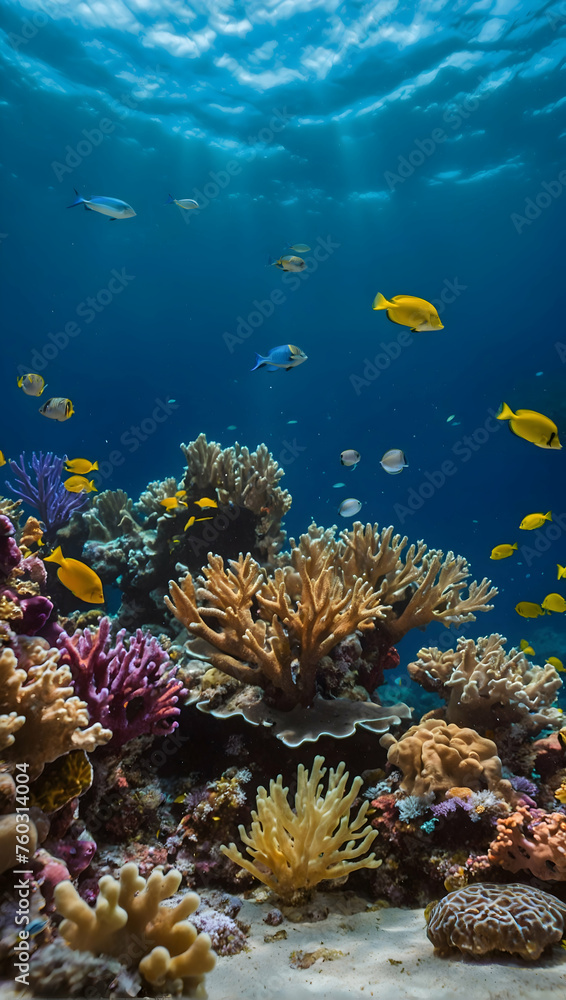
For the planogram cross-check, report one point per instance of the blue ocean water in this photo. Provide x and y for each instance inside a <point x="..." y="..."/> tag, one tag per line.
<point x="416" y="148"/>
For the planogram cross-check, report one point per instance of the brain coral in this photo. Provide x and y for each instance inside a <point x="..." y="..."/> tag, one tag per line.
<point x="488" y="917"/>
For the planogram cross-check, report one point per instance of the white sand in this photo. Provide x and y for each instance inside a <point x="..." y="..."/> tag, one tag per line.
<point x="386" y="955"/>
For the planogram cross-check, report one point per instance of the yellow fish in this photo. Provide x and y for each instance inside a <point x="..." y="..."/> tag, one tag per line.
<point x="407" y="310"/>
<point x="77" y="577"/>
<point x="532" y="521"/>
<point x="181" y="493"/>
<point x="33" y="385"/>
<point x="80" y="466"/>
<point x="528" y="610"/>
<point x="193" y="520"/>
<point x="172" y="503"/>
<point x="554" y="602"/>
<point x="79" y="484"/>
<point x="526" y="648"/>
<point x="206" y="502"/>
<point x="503" y="551"/>
<point x="560" y="794"/>
<point x="561" y="571"/>
<point x="556" y="663"/>
<point x="531" y="426"/>
<point x="2" y="459"/>
<point x="57" y="408"/>
<point x="289" y="263"/>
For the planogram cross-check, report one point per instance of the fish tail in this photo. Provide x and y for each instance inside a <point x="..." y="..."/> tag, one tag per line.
<point x="259" y="361"/>
<point x="95" y="466"/>
<point x="561" y="571"/>
<point x="78" y="200"/>
<point x="380" y="302"/>
<point x="504" y="412"/>
<point x="56" y="556"/>
<point x="548" y="516"/>
<point x="514" y="546"/>
<point x="170" y="200"/>
<point x="270" y="261"/>
<point x="92" y="486"/>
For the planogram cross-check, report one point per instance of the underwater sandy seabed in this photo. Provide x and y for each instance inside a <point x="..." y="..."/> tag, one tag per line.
<point x="377" y="952"/>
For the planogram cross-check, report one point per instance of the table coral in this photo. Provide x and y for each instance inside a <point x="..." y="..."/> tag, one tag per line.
<point x="486" y="917"/>
<point x="485" y="686"/>
<point x="434" y="757"/>
<point x="531" y="840"/>
<point x="41" y="718"/>
<point x="294" y="850"/>
<point x="130" y="922"/>
<point x="129" y="687"/>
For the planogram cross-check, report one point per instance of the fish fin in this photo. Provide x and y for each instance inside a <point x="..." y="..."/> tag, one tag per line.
<point x="380" y="302"/>
<point x="259" y="362"/>
<point x="170" y="200"/>
<point x="112" y="219"/>
<point x="396" y="321"/>
<point x="548" y="516"/>
<point x="514" y="546"/>
<point x="504" y="412"/>
<point x="56" y="556"/>
<point x="86" y="207"/>
<point x="78" y="200"/>
<point x="272" y="368"/>
<point x="95" y="466"/>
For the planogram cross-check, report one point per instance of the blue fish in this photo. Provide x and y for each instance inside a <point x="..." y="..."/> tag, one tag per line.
<point x="112" y="207"/>
<point x="287" y="356"/>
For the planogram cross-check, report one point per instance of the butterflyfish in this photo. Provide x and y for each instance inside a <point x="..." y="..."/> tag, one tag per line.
<point x="531" y="426"/>
<point x="186" y="203"/>
<point x="350" y="457"/>
<point x="286" y="356"/>
<point x="289" y="263"/>
<point x="79" y="484"/>
<point x="349" y="507"/>
<point x="77" y="577"/>
<point x="57" y="408"/>
<point x="407" y="310"/>
<point x="80" y="466"/>
<point x="32" y="385"/>
<point x="503" y="551"/>
<point x="528" y="610"/>
<point x="112" y="207"/>
<point x="394" y="461"/>
<point x="554" y="602"/>
<point x="532" y="521"/>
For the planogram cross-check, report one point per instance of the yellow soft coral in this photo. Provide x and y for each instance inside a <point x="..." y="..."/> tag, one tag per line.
<point x="294" y="850"/>
<point x="130" y="922"/>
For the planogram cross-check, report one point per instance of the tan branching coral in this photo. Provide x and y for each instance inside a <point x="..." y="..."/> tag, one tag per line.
<point x="130" y="922"/>
<point x="531" y="840"/>
<point x="485" y="686"/>
<point x="487" y="917"/>
<point x="434" y="757"/>
<point x="12" y="509"/>
<point x="293" y="850"/>
<point x="110" y="516"/>
<point x="40" y="716"/>
<point x="287" y="641"/>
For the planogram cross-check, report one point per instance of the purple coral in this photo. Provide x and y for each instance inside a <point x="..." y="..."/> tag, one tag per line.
<point x="129" y="688"/>
<point x="54" y="503"/>
<point x="10" y="555"/>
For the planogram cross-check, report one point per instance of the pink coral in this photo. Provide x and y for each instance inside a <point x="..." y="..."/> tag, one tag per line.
<point x="531" y="839"/>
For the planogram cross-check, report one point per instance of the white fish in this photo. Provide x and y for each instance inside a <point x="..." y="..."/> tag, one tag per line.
<point x="336" y="486"/>
<point x="112" y="207"/>
<point x="186" y="203"/>
<point x="350" y="457"/>
<point x="349" y="507"/>
<point x="394" y="461"/>
<point x="57" y="408"/>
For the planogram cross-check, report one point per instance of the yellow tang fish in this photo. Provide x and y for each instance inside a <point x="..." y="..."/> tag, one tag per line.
<point x="79" y="484"/>
<point x="532" y="521"/>
<point x="206" y="502"/>
<point x="33" y="385"/>
<point x="2" y="459"/>
<point x="526" y="648"/>
<point x="80" y="466"/>
<point x="289" y="263"/>
<point x="57" y="408"/>
<point x="172" y="503"/>
<point x="554" y="602"/>
<point x="556" y="663"/>
<point x="77" y="577"/>
<point x="407" y="310"/>
<point x="531" y="426"/>
<point x="528" y="610"/>
<point x="503" y="551"/>
<point x="194" y="520"/>
<point x="561" y="571"/>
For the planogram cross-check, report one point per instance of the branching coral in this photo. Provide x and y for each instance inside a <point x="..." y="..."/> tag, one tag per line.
<point x="41" y="718"/>
<point x="487" y="917"/>
<point x="294" y="850"/>
<point x="531" y="840"/>
<point x="129" y="688"/>
<point x="131" y="923"/>
<point x="54" y="503"/>
<point x="434" y="757"/>
<point x="485" y="686"/>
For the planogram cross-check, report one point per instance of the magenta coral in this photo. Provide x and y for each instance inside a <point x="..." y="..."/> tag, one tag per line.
<point x="130" y="687"/>
<point x="533" y="840"/>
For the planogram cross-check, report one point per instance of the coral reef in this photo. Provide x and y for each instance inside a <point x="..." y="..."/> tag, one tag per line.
<point x="130" y="922"/>
<point x="48" y="496"/>
<point x="41" y="718"/>
<point x="435" y="757"/>
<point x="129" y="687"/>
<point x="294" y="850"/>
<point x="531" y="840"/>
<point x="484" y="918"/>
<point x="22" y="608"/>
<point x="486" y="687"/>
